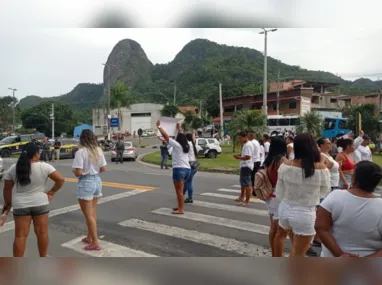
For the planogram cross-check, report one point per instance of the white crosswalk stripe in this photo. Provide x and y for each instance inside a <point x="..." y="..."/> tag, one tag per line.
<point x="235" y="224"/>
<point x="230" y="208"/>
<point x="231" y="197"/>
<point x="203" y="238"/>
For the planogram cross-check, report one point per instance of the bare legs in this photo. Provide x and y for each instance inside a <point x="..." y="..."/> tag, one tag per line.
<point x="179" y="186"/>
<point x="89" y="209"/>
<point x="22" y="228"/>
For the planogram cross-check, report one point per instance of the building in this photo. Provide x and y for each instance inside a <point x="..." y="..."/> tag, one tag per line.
<point x="78" y="130"/>
<point x="139" y="116"/>
<point x="371" y="98"/>
<point x="296" y="97"/>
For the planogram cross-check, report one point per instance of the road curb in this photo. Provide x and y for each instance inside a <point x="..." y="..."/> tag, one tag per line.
<point x="153" y="165"/>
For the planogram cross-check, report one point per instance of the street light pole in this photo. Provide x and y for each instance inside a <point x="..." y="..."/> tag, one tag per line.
<point x="265" y="84"/>
<point x="108" y="104"/>
<point x="13" y="108"/>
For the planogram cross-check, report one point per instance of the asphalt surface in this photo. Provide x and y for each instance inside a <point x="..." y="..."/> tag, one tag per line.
<point x="134" y="217"/>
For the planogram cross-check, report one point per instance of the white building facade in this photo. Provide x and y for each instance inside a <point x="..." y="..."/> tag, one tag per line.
<point x="139" y="116"/>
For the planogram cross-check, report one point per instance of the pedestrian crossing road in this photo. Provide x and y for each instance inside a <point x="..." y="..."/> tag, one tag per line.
<point x="213" y="226"/>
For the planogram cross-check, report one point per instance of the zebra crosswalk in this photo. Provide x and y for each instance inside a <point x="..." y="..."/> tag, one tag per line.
<point x="214" y="225"/>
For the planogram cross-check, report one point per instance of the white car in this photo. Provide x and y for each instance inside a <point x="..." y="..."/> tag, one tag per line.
<point x="208" y="147"/>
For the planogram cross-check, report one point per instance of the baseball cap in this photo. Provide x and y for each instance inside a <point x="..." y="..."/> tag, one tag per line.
<point x="366" y="138"/>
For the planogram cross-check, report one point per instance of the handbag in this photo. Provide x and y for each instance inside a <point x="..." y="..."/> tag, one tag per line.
<point x="194" y="164"/>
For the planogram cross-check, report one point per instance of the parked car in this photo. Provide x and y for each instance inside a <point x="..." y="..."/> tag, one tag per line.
<point x="209" y="128"/>
<point x="208" y="147"/>
<point x="68" y="148"/>
<point x="148" y="133"/>
<point x="130" y="152"/>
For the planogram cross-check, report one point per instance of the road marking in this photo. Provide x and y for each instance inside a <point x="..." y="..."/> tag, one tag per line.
<point x="236" y="186"/>
<point x="118" y="185"/>
<point x="158" y="174"/>
<point x="244" y="226"/>
<point x="108" y="249"/>
<point x="231" y="208"/>
<point x="11" y="225"/>
<point x="229" y="190"/>
<point x="231" y="197"/>
<point x="222" y="243"/>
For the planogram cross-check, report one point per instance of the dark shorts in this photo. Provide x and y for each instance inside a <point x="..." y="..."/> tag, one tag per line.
<point x="31" y="211"/>
<point x="181" y="174"/>
<point x="245" y="177"/>
<point x="256" y="168"/>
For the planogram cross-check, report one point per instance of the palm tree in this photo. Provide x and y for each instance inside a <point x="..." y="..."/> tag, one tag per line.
<point x="246" y="120"/>
<point x="120" y="97"/>
<point x="311" y="122"/>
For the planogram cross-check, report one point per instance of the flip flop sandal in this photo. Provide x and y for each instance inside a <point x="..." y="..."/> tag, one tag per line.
<point x="177" y="212"/>
<point x="92" y="247"/>
<point x="243" y="204"/>
<point x="86" y="240"/>
<point x="175" y="209"/>
<point x="239" y="200"/>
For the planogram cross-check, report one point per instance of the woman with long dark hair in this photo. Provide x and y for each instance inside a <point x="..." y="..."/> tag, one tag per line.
<point x="276" y="156"/>
<point x="181" y="169"/>
<point x="301" y="183"/>
<point x="349" y="222"/>
<point x="346" y="162"/>
<point x="88" y="163"/>
<point x="192" y="156"/>
<point x="30" y="201"/>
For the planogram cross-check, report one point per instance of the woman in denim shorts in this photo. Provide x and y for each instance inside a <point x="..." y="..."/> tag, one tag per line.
<point x="88" y="163"/>
<point x="181" y="169"/>
<point x="29" y="199"/>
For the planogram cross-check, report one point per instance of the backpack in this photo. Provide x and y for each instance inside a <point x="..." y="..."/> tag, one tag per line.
<point x="263" y="186"/>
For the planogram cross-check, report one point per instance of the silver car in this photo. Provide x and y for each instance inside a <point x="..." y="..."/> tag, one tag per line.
<point x="129" y="153"/>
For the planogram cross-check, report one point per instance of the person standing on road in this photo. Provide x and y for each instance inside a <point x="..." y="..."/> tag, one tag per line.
<point x="192" y="156"/>
<point x="88" y="163"/>
<point x="181" y="169"/>
<point x="256" y="158"/>
<point x="29" y="199"/>
<point x="346" y="162"/>
<point x="301" y="183"/>
<point x="246" y="169"/>
<point x="120" y="148"/>
<point x="56" y="150"/>
<point x="46" y="154"/>
<point x="276" y="156"/>
<point x="267" y="144"/>
<point x="164" y="153"/>
<point x="349" y="222"/>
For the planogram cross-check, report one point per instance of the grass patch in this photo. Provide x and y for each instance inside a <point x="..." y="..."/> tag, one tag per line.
<point x="224" y="163"/>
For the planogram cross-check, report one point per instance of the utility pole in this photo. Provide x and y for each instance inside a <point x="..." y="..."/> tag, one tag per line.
<point x="52" y="118"/>
<point x="221" y="112"/>
<point x="13" y="108"/>
<point x="108" y="104"/>
<point x="265" y="88"/>
<point x="175" y="93"/>
<point x="278" y="92"/>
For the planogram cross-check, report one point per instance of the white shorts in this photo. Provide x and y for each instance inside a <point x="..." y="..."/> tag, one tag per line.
<point x="273" y="207"/>
<point x="297" y="218"/>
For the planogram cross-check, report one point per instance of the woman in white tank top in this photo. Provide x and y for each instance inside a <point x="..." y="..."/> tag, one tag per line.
<point x="325" y="146"/>
<point x="290" y="146"/>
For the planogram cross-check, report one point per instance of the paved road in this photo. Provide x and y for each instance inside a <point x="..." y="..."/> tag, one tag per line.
<point x="134" y="218"/>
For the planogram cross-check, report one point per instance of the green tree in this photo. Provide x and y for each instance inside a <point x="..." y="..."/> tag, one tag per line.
<point x="120" y="97"/>
<point x="370" y="118"/>
<point x="169" y="110"/>
<point x="311" y="122"/>
<point x="245" y="121"/>
<point x="197" y="123"/>
<point x="38" y="117"/>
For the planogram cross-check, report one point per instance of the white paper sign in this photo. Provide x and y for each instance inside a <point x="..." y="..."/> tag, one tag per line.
<point x="169" y="126"/>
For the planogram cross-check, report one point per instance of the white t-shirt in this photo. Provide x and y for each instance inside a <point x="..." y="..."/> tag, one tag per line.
<point x="334" y="171"/>
<point x="357" y="223"/>
<point x="262" y="155"/>
<point x="247" y="151"/>
<point x="191" y="153"/>
<point x="256" y="151"/>
<point x="291" y="155"/>
<point x="179" y="158"/>
<point x="267" y="146"/>
<point x="83" y="161"/>
<point x="32" y="195"/>
<point x="365" y="153"/>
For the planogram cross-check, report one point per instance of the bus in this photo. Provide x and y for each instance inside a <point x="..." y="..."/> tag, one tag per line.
<point x="332" y="127"/>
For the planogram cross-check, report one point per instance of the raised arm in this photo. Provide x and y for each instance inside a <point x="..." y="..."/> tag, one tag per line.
<point x="163" y="132"/>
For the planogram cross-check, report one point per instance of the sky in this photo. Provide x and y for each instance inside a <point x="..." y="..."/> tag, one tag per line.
<point x="52" y="49"/>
